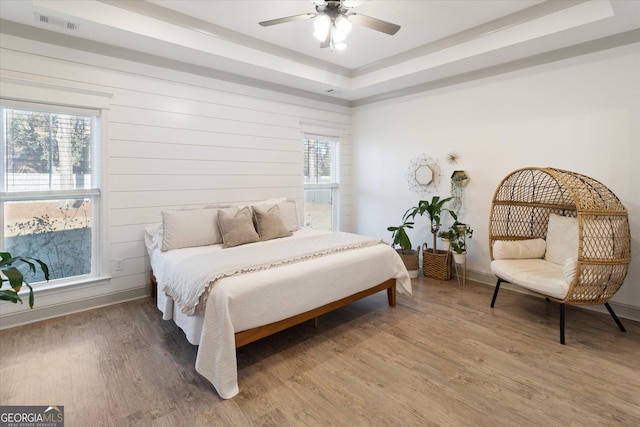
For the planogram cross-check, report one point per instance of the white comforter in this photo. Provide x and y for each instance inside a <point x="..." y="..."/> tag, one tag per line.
<point x="255" y="298"/>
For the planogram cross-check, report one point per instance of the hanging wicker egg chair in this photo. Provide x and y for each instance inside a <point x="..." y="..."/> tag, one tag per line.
<point x="522" y="205"/>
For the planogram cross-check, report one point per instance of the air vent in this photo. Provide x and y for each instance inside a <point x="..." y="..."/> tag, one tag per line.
<point x="58" y="22"/>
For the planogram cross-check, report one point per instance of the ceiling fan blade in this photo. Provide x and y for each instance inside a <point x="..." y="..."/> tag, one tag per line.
<point x="325" y="43"/>
<point x="287" y="19"/>
<point x="374" y="23"/>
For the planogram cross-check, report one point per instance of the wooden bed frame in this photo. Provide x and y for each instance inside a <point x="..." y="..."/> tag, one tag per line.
<point x="254" y="334"/>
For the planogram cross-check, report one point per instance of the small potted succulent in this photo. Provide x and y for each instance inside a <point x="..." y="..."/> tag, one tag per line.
<point x="447" y="236"/>
<point x="459" y="244"/>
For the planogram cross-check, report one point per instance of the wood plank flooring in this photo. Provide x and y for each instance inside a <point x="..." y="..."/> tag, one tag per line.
<point x="440" y="358"/>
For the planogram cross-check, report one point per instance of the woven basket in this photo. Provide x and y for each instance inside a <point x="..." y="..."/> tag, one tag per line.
<point x="436" y="265"/>
<point x="411" y="260"/>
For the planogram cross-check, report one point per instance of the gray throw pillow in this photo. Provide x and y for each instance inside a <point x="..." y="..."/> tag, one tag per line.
<point x="269" y="223"/>
<point x="237" y="229"/>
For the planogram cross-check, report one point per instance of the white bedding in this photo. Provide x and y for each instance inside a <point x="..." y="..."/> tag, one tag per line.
<point x="257" y="298"/>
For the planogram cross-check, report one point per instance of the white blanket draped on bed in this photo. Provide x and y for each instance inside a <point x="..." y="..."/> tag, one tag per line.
<point x="189" y="282"/>
<point x="243" y="301"/>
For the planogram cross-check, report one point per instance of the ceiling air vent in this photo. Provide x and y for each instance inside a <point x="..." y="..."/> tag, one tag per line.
<point x="58" y="22"/>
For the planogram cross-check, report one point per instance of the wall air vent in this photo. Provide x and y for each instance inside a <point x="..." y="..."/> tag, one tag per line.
<point x="58" y="22"/>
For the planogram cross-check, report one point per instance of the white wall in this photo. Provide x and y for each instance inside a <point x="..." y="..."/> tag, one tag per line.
<point x="581" y="114"/>
<point x="173" y="139"/>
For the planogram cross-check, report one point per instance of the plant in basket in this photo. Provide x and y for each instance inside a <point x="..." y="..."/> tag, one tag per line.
<point x="436" y="263"/>
<point x="433" y="210"/>
<point x="409" y="256"/>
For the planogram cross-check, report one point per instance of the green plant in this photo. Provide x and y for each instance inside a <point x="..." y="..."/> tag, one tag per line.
<point x="433" y="209"/>
<point x="447" y="235"/>
<point x="399" y="234"/>
<point x="457" y="179"/>
<point x="462" y="232"/>
<point x="10" y="274"/>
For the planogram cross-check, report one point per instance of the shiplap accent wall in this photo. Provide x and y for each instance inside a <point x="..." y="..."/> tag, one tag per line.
<point x="173" y="139"/>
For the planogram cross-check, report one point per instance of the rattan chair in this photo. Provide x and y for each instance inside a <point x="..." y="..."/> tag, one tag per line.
<point x="520" y="210"/>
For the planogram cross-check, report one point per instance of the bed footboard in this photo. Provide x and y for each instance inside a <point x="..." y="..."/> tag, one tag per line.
<point x="251" y="335"/>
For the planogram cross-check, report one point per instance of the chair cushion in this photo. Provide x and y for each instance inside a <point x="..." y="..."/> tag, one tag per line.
<point x="519" y="249"/>
<point x="562" y="239"/>
<point x="536" y="275"/>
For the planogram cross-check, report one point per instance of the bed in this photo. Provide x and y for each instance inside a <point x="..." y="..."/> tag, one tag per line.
<point x="224" y="296"/>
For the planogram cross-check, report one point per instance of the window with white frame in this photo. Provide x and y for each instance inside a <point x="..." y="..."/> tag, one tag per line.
<point x="321" y="182"/>
<point x="50" y="187"/>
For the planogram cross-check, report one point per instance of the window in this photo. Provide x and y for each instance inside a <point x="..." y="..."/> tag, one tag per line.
<point x="50" y="186"/>
<point x="321" y="182"/>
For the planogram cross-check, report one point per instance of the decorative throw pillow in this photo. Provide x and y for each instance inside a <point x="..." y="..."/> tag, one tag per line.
<point x="269" y="223"/>
<point x="184" y="228"/>
<point x="562" y="239"/>
<point x="519" y="249"/>
<point x="288" y="211"/>
<point x="289" y="214"/>
<point x="237" y="229"/>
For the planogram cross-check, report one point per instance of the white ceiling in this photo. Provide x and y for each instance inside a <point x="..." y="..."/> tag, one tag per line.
<point x="439" y="40"/>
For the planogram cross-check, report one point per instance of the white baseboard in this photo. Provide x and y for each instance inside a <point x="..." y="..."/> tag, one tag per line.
<point x="24" y="317"/>
<point x="622" y="310"/>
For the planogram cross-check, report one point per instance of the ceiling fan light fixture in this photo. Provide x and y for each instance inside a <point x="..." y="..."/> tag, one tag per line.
<point x="336" y="35"/>
<point x="343" y="24"/>
<point x="322" y="26"/>
<point x="333" y="22"/>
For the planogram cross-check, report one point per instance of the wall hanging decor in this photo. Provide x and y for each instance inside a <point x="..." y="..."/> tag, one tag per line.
<point x="423" y="175"/>
<point x="459" y="180"/>
<point x="452" y="157"/>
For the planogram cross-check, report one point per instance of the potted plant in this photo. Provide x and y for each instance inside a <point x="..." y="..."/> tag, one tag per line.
<point x="409" y="256"/>
<point x="10" y="274"/>
<point x="433" y="209"/>
<point x="459" y="244"/>
<point x="447" y="236"/>
<point x="436" y="263"/>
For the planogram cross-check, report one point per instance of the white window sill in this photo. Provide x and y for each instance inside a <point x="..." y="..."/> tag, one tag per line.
<point x="58" y="286"/>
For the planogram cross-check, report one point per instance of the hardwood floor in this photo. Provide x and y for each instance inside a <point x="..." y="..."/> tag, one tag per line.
<point x="440" y="358"/>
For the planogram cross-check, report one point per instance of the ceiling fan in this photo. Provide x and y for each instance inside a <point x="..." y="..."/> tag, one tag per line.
<point x="333" y="21"/>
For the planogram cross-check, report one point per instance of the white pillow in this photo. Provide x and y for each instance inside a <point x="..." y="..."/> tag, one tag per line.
<point x="184" y="228"/>
<point x="562" y="239"/>
<point x="289" y="214"/>
<point x="519" y="249"/>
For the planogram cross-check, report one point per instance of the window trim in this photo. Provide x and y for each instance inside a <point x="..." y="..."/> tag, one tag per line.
<point x="21" y="93"/>
<point x="334" y="186"/>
